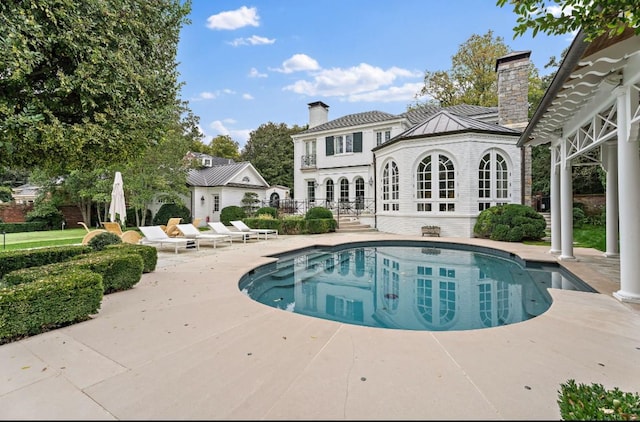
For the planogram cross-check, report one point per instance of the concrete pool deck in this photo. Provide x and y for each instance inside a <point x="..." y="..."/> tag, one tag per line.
<point x="185" y="343"/>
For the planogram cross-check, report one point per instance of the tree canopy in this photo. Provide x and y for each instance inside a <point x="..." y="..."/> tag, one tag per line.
<point x="270" y="151"/>
<point x="86" y="83"/>
<point x="593" y="17"/>
<point x="472" y="78"/>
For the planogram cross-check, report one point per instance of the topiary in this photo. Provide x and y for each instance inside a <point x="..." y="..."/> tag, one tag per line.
<point x="231" y="213"/>
<point x="318" y="212"/>
<point x="511" y="223"/>
<point x="102" y="240"/>
<point x="168" y="211"/>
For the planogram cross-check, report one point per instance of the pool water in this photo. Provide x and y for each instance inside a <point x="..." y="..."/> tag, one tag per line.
<point x="409" y="285"/>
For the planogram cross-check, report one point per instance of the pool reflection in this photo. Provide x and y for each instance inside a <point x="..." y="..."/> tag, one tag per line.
<point x="406" y="287"/>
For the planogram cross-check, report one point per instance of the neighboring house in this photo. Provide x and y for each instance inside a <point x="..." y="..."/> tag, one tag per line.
<point x="25" y="194"/>
<point x="591" y="113"/>
<point x="222" y="182"/>
<point x="429" y="166"/>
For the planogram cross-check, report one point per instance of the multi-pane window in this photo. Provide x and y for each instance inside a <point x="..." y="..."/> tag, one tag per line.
<point x="311" y="190"/>
<point x="493" y="181"/>
<point x="382" y="136"/>
<point x="390" y="187"/>
<point x="423" y="188"/>
<point x="330" y="194"/>
<point x="216" y="203"/>
<point x="344" y="190"/>
<point x="427" y="178"/>
<point x="343" y="144"/>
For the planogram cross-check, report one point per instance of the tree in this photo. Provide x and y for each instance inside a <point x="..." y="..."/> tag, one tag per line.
<point x="472" y="78"/>
<point x="81" y="81"/>
<point x="225" y="147"/>
<point x="270" y="151"/>
<point x="594" y="17"/>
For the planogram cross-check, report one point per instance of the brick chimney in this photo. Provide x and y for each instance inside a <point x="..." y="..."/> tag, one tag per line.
<point x="513" y="89"/>
<point x="318" y="113"/>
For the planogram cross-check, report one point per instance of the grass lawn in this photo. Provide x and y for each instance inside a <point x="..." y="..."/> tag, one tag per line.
<point x="584" y="237"/>
<point x="12" y="241"/>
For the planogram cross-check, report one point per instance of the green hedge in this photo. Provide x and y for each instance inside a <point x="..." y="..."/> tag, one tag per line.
<point x="49" y="302"/>
<point x="511" y="223"/>
<point x="27" y="258"/>
<point x="149" y="254"/>
<point x="264" y="223"/>
<point x="581" y="402"/>
<point x="33" y="226"/>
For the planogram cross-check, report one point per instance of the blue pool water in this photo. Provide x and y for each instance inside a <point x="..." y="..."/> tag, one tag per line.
<point x="409" y="285"/>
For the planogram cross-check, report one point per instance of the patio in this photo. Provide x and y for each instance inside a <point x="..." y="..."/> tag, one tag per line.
<point x="185" y="343"/>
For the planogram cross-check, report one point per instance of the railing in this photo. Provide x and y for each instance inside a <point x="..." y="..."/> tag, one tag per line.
<point x="308" y="161"/>
<point x="342" y="207"/>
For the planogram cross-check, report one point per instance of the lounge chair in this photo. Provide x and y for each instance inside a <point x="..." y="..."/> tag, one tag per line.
<point x="156" y="236"/>
<point x="129" y="236"/>
<point x="238" y="224"/>
<point x="192" y="232"/>
<point x="220" y="228"/>
<point x="171" y="228"/>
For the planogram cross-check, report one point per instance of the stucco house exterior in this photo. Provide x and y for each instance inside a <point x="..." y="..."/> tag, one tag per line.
<point x="428" y="166"/>
<point x="222" y="182"/>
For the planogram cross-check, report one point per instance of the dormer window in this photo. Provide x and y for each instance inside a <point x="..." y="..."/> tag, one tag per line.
<point x="206" y="162"/>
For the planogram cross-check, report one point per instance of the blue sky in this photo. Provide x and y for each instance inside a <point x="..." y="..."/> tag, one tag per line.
<point x="244" y="64"/>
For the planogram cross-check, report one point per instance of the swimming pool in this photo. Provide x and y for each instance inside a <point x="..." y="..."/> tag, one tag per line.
<point x="409" y="285"/>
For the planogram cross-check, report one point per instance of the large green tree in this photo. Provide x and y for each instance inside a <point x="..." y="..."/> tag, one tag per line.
<point x="593" y="17"/>
<point x="225" y="147"/>
<point x="270" y="150"/>
<point x="84" y="84"/>
<point x="472" y="78"/>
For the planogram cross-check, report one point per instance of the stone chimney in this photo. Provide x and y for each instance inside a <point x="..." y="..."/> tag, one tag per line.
<point x="513" y="108"/>
<point x="513" y="90"/>
<point x="318" y="113"/>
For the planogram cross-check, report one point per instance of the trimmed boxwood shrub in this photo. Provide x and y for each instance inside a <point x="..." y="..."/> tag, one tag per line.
<point x="273" y="212"/>
<point x="102" y="240"/>
<point x="318" y="212"/>
<point x="34" y="226"/>
<point x="26" y="258"/>
<point x="320" y="225"/>
<point x="168" y="211"/>
<point x="264" y="222"/>
<point x="149" y="254"/>
<point x="232" y="213"/>
<point x="293" y="224"/>
<point x="511" y="223"/>
<point x="49" y="302"/>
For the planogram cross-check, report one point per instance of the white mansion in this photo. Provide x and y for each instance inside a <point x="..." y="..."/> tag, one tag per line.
<point x="428" y="166"/>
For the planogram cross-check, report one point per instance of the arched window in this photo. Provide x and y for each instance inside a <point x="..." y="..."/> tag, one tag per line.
<point x="427" y="178"/>
<point x="274" y="200"/>
<point x="344" y="190"/>
<point x="359" y="193"/>
<point x="330" y="193"/>
<point x="390" y="187"/>
<point x="493" y="180"/>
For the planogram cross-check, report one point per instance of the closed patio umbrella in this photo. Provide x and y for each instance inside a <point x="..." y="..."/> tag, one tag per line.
<point x="117" y="208"/>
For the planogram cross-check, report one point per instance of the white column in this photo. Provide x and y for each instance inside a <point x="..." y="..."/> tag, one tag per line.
<point x="555" y="202"/>
<point x="629" y="200"/>
<point x="566" y="204"/>
<point x="611" y="167"/>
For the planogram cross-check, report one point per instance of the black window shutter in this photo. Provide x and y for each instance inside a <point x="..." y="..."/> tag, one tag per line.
<point x="329" y="145"/>
<point x="357" y="142"/>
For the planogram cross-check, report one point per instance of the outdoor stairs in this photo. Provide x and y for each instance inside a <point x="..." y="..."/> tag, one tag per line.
<point x="547" y="218"/>
<point x="350" y="224"/>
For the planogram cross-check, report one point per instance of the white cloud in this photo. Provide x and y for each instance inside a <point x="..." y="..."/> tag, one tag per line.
<point x="298" y="63"/>
<point x="404" y="93"/>
<point x="239" y="135"/>
<point x="363" y="80"/>
<point x="247" y="96"/>
<point x="207" y="95"/>
<point x="234" y="19"/>
<point x="253" y="73"/>
<point x="253" y="40"/>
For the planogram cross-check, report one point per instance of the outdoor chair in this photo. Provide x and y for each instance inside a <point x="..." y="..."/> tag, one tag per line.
<point x="220" y="228"/>
<point x="171" y="228"/>
<point x="192" y="232"/>
<point x="154" y="235"/>
<point x="238" y="224"/>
